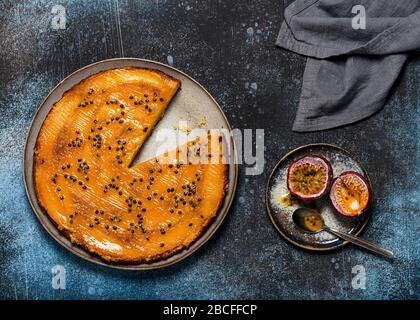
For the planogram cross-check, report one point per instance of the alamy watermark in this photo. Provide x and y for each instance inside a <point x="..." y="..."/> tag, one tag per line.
<point x="58" y="281"/>
<point x="359" y="20"/>
<point x="358" y="280"/>
<point x="213" y="146"/>
<point x="59" y="19"/>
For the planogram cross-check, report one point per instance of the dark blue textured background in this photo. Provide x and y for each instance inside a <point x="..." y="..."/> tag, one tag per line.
<point x="228" y="46"/>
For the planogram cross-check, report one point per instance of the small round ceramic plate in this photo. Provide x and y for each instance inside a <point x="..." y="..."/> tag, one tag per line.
<point x="190" y="104"/>
<point x="280" y="211"/>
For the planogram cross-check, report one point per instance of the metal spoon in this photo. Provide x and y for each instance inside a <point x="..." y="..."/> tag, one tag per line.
<point x="316" y="224"/>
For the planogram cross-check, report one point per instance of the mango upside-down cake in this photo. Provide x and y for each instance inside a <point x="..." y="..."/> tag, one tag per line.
<point x="86" y="184"/>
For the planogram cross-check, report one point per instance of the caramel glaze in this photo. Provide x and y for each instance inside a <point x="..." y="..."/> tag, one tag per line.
<point x="85" y="183"/>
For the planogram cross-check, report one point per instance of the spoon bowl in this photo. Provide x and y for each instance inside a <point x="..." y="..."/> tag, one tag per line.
<point x="310" y="221"/>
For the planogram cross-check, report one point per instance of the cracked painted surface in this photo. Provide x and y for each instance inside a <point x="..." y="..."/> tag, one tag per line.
<point x="229" y="48"/>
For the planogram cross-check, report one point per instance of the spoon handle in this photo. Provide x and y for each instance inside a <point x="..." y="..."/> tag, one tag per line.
<point x="361" y="242"/>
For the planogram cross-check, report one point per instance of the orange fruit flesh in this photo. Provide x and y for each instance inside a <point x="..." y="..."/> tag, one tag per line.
<point x="352" y="195"/>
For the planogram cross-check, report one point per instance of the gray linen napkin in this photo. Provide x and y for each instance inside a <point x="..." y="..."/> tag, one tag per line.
<point x="349" y="72"/>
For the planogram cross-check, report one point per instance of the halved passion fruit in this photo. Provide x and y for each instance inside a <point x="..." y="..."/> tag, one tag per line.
<point x="350" y="194"/>
<point x="309" y="177"/>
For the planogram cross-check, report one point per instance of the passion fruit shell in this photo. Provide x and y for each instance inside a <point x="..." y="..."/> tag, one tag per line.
<point x="350" y="194"/>
<point x="309" y="177"/>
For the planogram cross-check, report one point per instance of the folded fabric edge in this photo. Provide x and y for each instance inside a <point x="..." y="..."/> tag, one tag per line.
<point x="376" y="46"/>
<point x="286" y="40"/>
<point x="334" y="121"/>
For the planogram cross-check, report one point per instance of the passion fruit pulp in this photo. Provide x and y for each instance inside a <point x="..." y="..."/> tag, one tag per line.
<point x="350" y="194"/>
<point x="309" y="177"/>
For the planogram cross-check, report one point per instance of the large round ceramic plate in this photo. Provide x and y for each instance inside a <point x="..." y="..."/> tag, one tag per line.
<point x="280" y="211"/>
<point x="189" y="105"/>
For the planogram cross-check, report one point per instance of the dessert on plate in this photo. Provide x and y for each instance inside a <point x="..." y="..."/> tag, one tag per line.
<point x="85" y="182"/>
